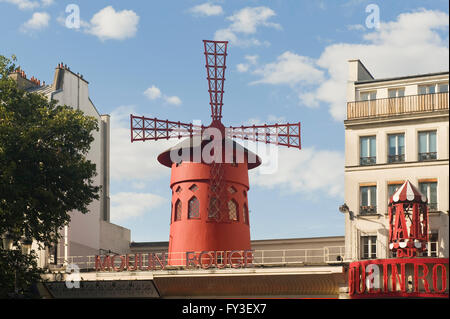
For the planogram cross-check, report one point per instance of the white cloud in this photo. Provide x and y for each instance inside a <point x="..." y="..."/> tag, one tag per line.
<point x="23" y="4"/>
<point x="242" y="67"/>
<point x="246" y="22"/>
<point x="248" y="19"/>
<point x="309" y="171"/>
<point x="291" y="69"/>
<point x="111" y="24"/>
<point x="174" y="100"/>
<point x="207" y="9"/>
<point x="154" y="93"/>
<point x="416" y="42"/>
<point x="28" y="4"/>
<point x="127" y="205"/>
<point x="136" y="161"/>
<point x="38" y="21"/>
<point x="356" y="27"/>
<point x="271" y="119"/>
<point x="139" y="185"/>
<point x="251" y="60"/>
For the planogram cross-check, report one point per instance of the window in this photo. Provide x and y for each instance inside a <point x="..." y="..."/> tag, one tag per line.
<point x="232" y="190"/>
<point x="369" y="247"/>
<point x="427" y="89"/>
<point x="245" y="214"/>
<point x="368" y="198"/>
<point x="442" y="87"/>
<point x="193" y="208"/>
<point x="232" y="210"/>
<point x="178" y="208"/>
<point x="399" y="92"/>
<point x="179" y="189"/>
<point x="432" y="245"/>
<point x="193" y="188"/>
<point x="368" y="150"/>
<point x="396" y="144"/>
<point x="429" y="189"/>
<point x="427" y="146"/>
<point x="392" y="188"/>
<point x="214" y="206"/>
<point x="367" y="96"/>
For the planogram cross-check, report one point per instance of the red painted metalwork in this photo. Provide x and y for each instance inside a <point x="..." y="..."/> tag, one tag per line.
<point x="280" y="134"/>
<point x="216" y="57"/>
<point x="399" y="277"/>
<point x="147" y="129"/>
<point x="408" y="221"/>
<point x="211" y="232"/>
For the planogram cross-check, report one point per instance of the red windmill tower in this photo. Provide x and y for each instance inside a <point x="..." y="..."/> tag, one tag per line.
<point x="209" y="177"/>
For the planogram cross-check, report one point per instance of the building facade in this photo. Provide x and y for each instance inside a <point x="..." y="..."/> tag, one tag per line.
<point x="396" y="129"/>
<point x="91" y="233"/>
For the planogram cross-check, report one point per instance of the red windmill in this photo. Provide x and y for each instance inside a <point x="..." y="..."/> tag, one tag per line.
<point x="209" y="177"/>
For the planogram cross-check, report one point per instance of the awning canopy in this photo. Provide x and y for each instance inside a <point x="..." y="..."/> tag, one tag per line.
<point x="407" y="193"/>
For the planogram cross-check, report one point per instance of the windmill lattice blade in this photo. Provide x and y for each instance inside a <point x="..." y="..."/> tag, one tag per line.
<point x="216" y="55"/>
<point x="145" y="129"/>
<point x="279" y="134"/>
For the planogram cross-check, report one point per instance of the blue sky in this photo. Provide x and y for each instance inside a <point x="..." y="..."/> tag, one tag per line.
<point x="287" y="62"/>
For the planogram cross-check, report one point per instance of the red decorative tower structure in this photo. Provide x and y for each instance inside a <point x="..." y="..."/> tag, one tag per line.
<point x="209" y="179"/>
<point x="408" y="221"/>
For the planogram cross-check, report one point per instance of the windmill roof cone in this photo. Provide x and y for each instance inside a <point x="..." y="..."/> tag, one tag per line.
<point x="191" y="145"/>
<point x="209" y="221"/>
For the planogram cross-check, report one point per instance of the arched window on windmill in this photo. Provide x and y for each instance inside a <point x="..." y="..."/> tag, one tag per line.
<point x="193" y="208"/>
<point x="178" y="210"/>
<point x="245" y="214"/>
<point x="233" y="214"/>
<point x="214" y="206"/>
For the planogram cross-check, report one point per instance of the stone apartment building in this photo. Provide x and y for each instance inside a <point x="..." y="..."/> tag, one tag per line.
<point x="396" y="129"/>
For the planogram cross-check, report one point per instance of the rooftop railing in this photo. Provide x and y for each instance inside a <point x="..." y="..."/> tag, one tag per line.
<point x="260" y="258"/>
<point x="397" y="105"/>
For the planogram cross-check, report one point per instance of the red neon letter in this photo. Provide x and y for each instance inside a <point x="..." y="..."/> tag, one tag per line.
<point x="191" y="260"/>
<point x="99" y="266"/>
<point x="443" y="278"/>
<point x="423" y="277"/>
<point x="395" y="276"/>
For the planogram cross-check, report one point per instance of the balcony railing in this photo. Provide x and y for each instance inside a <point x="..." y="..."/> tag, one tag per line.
<point x="396" y="158"/>
<point x="397" y="105"/>
<point x="427" y="156"/>
<point x="368" y="210"/>
<point x="371" y="160"/>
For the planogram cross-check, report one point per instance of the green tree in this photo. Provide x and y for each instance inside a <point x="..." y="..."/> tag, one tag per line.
<point x="44" y="173"/>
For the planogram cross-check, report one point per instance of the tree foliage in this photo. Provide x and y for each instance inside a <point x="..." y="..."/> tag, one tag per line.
<point x="44" y="173"/>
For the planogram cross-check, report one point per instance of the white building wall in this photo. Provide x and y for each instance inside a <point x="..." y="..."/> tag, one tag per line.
<point x="87" y="233"/>
<point x="382" y="173"/>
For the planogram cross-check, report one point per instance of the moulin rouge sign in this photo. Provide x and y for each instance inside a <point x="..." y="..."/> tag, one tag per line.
<point x="398" y="277"/>
<point x="191" y="259"/>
